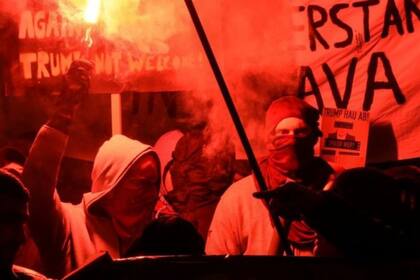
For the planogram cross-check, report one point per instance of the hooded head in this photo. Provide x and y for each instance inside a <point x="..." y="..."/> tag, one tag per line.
<point x="13" y="216"/>
<point x="291" y="132"/>
<point x="199" y="178"/>
<point x="125" y="184"/>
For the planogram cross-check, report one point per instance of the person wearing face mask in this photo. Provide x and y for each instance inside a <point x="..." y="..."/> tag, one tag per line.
<point x="125" y="185"/>
<point x="241" y="224"/>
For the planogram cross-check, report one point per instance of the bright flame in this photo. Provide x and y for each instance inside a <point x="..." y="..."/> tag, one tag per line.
<point x="145" y="24"/>
<point x="91" y="14"/>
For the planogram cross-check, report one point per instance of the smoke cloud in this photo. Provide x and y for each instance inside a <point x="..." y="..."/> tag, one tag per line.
<point x="251" y="41"/>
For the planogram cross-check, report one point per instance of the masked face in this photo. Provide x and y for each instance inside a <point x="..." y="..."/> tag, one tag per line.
<point x="291" y="145"/>
<point x="130" y="205"/>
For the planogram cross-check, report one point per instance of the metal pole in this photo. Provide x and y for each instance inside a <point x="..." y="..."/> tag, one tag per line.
<point x="116" y="114"/>
<point x="236" y="119"/>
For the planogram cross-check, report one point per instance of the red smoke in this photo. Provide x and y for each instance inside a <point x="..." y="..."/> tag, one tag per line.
<point x="252" y="42"/>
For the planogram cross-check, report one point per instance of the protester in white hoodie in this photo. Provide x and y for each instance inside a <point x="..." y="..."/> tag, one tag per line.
<point x="125" y="186"/>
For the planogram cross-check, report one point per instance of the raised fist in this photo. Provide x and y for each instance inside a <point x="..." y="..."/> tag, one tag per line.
<point x="77" y="78"/>
<point x="75" y="86"/>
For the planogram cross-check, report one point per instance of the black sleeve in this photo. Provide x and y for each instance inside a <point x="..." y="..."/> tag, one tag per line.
<point x="356" y="233"/>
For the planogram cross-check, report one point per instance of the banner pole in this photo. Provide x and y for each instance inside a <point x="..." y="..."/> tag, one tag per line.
<point x="116" y="113"/>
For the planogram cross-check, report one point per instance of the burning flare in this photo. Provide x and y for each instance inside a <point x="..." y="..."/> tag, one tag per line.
<point x="91" y="16"/>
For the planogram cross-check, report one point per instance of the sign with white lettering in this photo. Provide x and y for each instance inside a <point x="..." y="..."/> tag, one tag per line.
<point x="146" y="54"/>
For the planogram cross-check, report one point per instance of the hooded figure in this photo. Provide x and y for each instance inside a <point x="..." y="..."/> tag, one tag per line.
<point x="199" y="178"/>
<point x="125" y="186"/>
<point x="241" y="223"/>
<point x="164" y="148"/>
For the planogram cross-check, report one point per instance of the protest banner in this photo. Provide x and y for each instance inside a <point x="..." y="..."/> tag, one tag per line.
<point x="362" y="55"/>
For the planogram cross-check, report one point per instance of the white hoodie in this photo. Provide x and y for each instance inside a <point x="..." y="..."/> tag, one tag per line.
<point x="68" y="235"/>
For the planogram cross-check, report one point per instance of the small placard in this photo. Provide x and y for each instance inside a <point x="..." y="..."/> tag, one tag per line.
<point x="345" y="136"/>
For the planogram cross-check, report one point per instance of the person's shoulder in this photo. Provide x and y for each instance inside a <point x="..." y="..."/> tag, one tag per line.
<point x="27" y="274"/>
<point x="240" y="189"/>
<point x="74" y="212"/>
<point x="237" y="201"/>
<point x="243" y="185"/>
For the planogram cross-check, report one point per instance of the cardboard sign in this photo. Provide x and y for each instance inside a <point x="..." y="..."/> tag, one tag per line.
<point x="345" y="136"/>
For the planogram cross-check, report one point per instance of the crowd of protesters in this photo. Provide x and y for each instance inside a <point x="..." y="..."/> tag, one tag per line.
<point x="173" y="199"/>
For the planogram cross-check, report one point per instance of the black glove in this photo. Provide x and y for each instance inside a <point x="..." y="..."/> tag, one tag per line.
<point x="75" y="86"/>
<point x="291" y="200"/>
<point x="76" y="83"/>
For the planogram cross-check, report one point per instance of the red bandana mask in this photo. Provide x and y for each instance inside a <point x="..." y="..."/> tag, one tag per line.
<point x="287" y="155"/>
